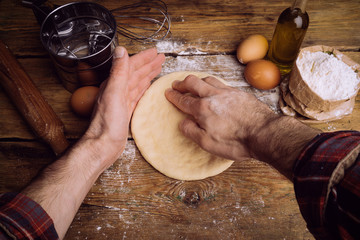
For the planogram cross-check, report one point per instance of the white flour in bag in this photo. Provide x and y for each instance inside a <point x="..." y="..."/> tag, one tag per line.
<point x="327" y="76"/>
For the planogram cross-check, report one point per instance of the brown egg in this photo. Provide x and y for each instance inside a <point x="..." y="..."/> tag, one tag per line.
<point x="262" y="74"/>
<point x="83" y="100"/>
<point x="252" y="48"/>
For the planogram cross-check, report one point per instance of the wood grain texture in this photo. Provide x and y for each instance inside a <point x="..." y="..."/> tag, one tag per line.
<point x="131" y="200"/>
<point x="209" y="25"/>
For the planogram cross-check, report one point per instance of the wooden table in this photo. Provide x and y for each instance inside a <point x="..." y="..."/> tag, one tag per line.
<point x="131" y="200"/>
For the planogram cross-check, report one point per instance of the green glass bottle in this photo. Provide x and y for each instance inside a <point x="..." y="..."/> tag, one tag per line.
<point x="289" y="33"/>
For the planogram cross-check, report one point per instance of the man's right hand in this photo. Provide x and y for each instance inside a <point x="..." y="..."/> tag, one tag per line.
<point x="234" y="124"/>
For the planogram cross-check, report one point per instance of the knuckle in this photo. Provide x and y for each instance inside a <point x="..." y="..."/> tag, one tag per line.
<point x="184" y="100"/>
<point x="203" y="105"/>
<point x="188" y="79"/>
<point x="184" y="127"/>
<point x="204" y="142"/>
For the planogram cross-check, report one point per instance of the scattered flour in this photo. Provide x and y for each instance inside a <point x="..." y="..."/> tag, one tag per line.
<point x="270" y="98"/>
<point x="331" y="127"/>
<point x="245" y="210"/>
<point x="237" y="84"/>
<point x="328" y="76"/>
<point x="169" y="46"/>
<point x="129" y="151"/>
<point x="259" y="202"/>
<point x="121" y="171"/>
<point x="180" y="48"/>
<point x="223" y="66"/>
<point x="183" y="64"/>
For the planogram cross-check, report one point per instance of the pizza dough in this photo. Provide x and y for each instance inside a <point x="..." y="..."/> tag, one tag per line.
<point x="156" y="133"/>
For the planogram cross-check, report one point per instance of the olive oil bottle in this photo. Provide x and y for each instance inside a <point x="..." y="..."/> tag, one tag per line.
<point x="289" y="33"/>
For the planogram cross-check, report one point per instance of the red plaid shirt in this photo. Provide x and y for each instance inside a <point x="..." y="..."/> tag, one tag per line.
<point x="326" y="182"/>
<point x="22" y="218"/>
<point x="327" y="185"/>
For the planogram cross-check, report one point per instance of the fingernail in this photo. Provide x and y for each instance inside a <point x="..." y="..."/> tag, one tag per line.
<point x="119" y="52"/>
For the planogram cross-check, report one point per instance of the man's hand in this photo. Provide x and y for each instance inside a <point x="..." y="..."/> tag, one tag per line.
<point x="235" y="125"/>
<point x="219" y="122"/>
<point x="62" y="186"/>
<point x="118" y="96"/>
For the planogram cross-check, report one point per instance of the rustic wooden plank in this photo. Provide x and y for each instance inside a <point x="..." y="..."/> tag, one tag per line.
<point x="210" y="26"/>
<point x="133" y="200"/>
<point x="20" y="162"/>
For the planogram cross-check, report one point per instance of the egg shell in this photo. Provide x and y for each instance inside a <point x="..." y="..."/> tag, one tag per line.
<point x="262" y="74"/>
<point x="252" y="48"/>
<point x="82" y="101"/>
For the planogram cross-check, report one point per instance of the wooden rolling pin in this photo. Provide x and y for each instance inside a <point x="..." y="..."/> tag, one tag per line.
<point x="30" y="103"/>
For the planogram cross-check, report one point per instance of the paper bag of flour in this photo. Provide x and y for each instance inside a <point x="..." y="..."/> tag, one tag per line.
<point x="322" y="85"/>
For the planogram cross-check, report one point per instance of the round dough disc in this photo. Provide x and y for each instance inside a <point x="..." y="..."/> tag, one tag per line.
<point x="156" y="133"/>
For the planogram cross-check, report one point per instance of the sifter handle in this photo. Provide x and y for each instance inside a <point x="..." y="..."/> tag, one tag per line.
<point x="30" y="103"/>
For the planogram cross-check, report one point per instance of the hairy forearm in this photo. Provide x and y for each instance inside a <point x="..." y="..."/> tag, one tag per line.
<point x="63" y="185"/>
<point x="279" y="141"/>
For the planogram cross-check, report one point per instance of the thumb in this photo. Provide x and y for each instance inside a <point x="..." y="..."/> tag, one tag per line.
<point x="120" y="65"/>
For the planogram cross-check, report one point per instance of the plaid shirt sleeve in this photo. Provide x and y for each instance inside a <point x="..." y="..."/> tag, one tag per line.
<point x="22" y="218"/>
<point x="327" y="185"/>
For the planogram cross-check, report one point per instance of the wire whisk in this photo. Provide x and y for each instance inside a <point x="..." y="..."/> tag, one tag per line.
<point x="145" y="21"/>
